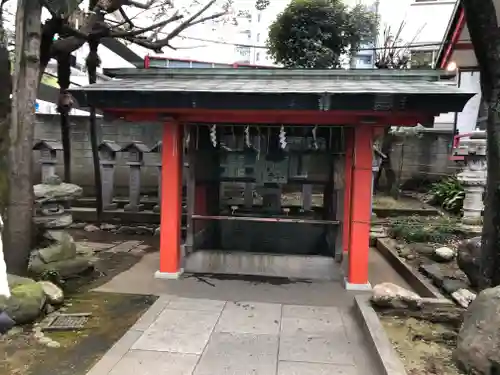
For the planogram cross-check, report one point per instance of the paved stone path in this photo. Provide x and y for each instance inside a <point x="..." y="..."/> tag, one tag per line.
<point x="186" y="336"/>
<point x="133" y="247"/>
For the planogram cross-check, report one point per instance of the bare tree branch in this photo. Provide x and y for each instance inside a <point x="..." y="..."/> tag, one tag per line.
<point x="133" y="33"/>
<point x="126" y="18"/>
<point x="96" y="26"/>
<point x="159" y="44"/>
<point x="141" y="5"/>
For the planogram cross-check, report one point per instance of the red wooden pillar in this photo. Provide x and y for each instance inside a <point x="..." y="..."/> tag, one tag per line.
<point x="171" y="201"/>
<point x="359" y="234"/>
<point x="349" y="149"/>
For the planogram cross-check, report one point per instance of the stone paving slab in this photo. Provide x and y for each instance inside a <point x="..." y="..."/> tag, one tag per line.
<point x="303" y="368"/>
<point x="177" y="331"/>
<point x="316" y="348"/>
<point x="96" y="246"/>
<point x="253" y="318"/>
<point x="185" y="336"/>
<point x="125" y="247"/>
<point x="239" y="354"/>
<point x="139" y="362"/>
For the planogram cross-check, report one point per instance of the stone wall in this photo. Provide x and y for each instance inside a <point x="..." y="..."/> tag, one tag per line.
<point x="425" y="156"/>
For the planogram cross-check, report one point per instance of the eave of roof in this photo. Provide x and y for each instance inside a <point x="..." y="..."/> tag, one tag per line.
<point x="340" y="74"/>
<point x="450" y="30"/>
<point x="299" y="89"/>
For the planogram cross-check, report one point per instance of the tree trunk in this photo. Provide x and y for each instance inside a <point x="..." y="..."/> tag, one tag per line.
<point x="483" y="29"/>
<point x="25" y="86"/>
<point x="92" y="63"/>
<point x="490" y="251"/>
<point x="5" y="91"/>
<point x="64" y="106"/>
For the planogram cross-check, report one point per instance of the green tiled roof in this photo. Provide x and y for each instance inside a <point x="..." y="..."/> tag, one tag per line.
<point x="275" y="81"/>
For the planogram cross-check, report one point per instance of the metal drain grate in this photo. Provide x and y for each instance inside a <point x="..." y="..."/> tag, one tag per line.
<point x="67" y="322"/>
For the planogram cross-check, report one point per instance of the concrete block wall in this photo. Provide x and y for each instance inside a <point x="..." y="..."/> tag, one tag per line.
<point x="418" y="157"/>
<point x="122" y="132"/>
<point x="423" y="156"/>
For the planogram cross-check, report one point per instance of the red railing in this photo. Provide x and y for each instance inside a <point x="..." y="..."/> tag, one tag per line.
<point x="456" y="143"/>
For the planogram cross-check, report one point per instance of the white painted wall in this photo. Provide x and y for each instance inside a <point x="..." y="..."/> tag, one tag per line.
<point x="467" y="119"/>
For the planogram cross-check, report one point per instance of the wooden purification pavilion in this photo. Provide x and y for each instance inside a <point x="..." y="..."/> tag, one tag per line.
<point x="281" y="134"/>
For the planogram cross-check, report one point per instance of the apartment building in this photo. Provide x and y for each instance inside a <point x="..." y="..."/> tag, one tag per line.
<point x="251" y="33"/>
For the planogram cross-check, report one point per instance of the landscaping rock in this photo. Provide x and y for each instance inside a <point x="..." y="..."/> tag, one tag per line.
<point x="433" y="272"/>
<point x="15" y="281"/>
<point x="54" y="294"/>
<point x="463" y="297"/>
<point x="91" y="228"/>
<point x="394" y="296"/>
<point x="404" y="252"/>
<point x="422" y="248"/>
<point x="478" y="344"/>
<point x="25" y="304"/>
<point x="54" y="222"/>
<point x="65" y="249"/>
<point x="452" y="285"/>
<point x="468" y="259"/>
<point x="108" y="226"/>
<point x="78" y="225"/>
<point x="49" y="309"/>
<point x="54" y="235"/>
<point x="59" y="192"/>
<point x="64" y="268"/>
<point x="444" y="254"/>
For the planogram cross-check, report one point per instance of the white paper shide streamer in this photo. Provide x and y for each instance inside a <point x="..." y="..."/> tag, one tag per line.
<point x="213" y="135"/>
<point x="282" y="138"/>
<point x="247" y="137"/>
<point x="315" y="140"/>
<point x="4" y="285"/>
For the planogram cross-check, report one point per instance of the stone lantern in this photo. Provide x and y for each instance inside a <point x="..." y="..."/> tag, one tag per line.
<point x="107" y="158"/>
<point x="135" y="161"/>
<point x="48" y="157"/>
<point x="157" y="149"/>
<point x="473" y="177"/>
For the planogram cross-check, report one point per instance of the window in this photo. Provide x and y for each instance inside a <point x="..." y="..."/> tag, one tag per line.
<point x="259" y="16"/>
<point x="243" y="51"/>
<point x="422" y="59"/>
<point x="247" y="33"/>
<point x="257" y="56"/>
<point x="258" y="38"/>
<point x="365" y="60"/>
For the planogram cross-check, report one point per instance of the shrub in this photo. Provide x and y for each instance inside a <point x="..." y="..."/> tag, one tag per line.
<point x="449" y="194"/>
<point x="420" y="229"/>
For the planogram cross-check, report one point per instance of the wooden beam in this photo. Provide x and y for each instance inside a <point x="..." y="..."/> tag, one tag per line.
<point x="287" y="117"/>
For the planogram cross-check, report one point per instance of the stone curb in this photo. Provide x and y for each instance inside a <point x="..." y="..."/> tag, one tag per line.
<point x="387" y="359"/>
<point x="125" y="343"/>
<point x="421" y="286"/>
